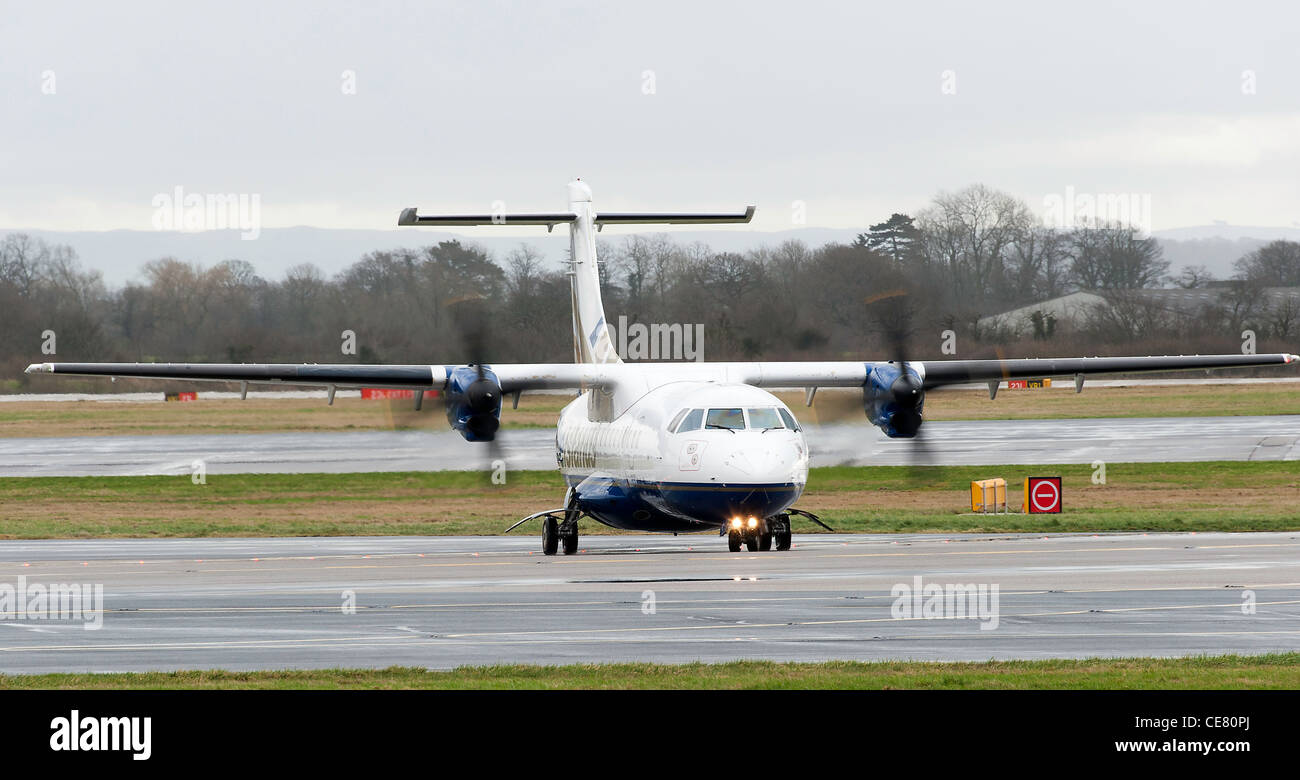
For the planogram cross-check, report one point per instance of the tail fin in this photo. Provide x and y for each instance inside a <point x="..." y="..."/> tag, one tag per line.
<point x="591" y="338"/>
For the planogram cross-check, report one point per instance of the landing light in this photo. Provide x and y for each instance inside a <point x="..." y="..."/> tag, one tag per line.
<point x="753" y="522"/>
<point x="735" y="522"/>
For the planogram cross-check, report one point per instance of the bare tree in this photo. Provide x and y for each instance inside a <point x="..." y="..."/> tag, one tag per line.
<point x="1194" y="277"/>
<point x="1276" y="264"/>
<point x="972" y="231"/>
<point x="1110" y="256"/>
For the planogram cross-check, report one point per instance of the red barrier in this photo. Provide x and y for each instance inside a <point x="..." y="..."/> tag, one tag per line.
<point x="381" y="393"/>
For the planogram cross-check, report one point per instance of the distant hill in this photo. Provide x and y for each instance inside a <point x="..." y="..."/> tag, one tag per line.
<point x="1229" y="232"/>
<point x="119" y="254"/>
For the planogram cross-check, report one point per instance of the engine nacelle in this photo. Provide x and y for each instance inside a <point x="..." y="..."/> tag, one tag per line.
<point x="474" y="402"/>
<point x="893" y="397"/>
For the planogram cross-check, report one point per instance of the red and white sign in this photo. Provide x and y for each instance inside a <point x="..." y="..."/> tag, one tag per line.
<point x="382" y="393"/>
<point x="1042" y="495"/>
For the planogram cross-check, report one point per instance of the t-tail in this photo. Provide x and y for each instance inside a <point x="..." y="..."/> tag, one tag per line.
<point x="592" y="342"/>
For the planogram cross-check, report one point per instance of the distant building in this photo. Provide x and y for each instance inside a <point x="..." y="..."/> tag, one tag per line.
<point x="1074" y="310"/>
<point x="1070" y="310"/>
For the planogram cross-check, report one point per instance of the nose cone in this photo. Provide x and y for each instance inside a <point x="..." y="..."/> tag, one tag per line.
<point x="749" y="474"/>
<point x="770" y="458"/>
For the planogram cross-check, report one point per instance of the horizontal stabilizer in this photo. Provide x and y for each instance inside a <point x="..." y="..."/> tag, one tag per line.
<point x="410" y="217"/>
<point x="674" y="219"/>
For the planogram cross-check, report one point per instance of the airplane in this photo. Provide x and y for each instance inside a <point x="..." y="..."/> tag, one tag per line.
<point x="663" y="446"/>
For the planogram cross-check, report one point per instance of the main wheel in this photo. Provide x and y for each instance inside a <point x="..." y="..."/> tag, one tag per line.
<point x="570" y="541"/>
<point x="751" y="541"/>
<point x="550" y="536"/>
<point x="782" y="536"/>
<point x="733" y="541"/>
<point x="765" y="541"/>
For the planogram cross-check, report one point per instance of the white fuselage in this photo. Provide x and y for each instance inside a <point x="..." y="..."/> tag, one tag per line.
<point x="627" y="457"/>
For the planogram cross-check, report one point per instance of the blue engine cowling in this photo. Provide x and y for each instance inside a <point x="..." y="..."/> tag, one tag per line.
<point x="474" y="402"/>
<point x="893" y="397"/>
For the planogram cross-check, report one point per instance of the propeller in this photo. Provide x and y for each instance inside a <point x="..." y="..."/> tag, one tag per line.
<point x="470" y="321"/>
<point x="893" y="312"/>
<point x="471" y="318"/>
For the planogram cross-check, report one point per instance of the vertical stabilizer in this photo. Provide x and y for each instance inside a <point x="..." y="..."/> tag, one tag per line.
<point x="591" y="333"/>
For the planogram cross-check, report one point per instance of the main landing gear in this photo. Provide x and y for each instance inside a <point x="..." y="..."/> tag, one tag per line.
<point x="757" y="534"/>
<point x="562" y="533"/>
<point x="559" y="534"/>
<point x="559" y="528"/>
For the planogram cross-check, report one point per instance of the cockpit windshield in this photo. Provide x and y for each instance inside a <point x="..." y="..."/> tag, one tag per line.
<point x="730" y="419"/>
<point x="692" y="420"/>
<point x="764" y="419"/>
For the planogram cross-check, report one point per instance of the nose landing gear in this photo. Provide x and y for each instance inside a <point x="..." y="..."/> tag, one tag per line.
<point x="735" y="537"/>
<point x="765" y="534"/>
<point x="755" y="535"/>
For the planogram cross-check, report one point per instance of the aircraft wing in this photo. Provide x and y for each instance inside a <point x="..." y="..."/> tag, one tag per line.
<point x="513" y="377"/>
<point x="563" y="376"/>
<point x="937" y="373"/>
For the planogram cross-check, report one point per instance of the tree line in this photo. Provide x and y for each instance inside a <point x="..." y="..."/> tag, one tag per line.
<point x="900" y="285"/>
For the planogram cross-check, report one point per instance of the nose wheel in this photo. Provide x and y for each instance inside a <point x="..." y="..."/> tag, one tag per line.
<point x="772" y="532"/>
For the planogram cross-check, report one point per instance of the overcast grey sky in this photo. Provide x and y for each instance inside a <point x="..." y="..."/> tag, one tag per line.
<point x="838" y="105"/>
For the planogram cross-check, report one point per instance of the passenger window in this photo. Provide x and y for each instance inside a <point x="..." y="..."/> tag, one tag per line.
<point x="692" y="421"/>
<point x="762" y="419"/>
<point x="677" y="418"/>
<point x="731" y="419"/>
<point x="789" y="420"/>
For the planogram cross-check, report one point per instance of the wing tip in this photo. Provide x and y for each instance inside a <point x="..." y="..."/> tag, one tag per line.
<point x="40" y="368"/>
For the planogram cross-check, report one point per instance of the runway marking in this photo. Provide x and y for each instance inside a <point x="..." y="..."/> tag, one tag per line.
<point x="267" y="569"/>
<point x="203" y="645"/>
<point x="711" y="558"/>
<point x="408" y="639"/>
<point x="841" y="600"/>
<point x="1234" y="605"/>
<point x="817" y="547"/>
<point x="1035" y="552"/>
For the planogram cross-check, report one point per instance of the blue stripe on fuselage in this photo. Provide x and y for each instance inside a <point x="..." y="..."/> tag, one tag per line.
<point x="643" y="505"/>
